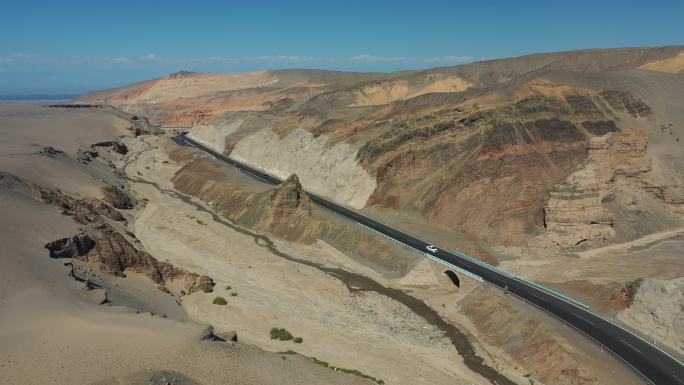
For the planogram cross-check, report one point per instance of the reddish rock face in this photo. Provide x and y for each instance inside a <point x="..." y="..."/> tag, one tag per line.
<point x="486" y="171"/>
<point x="625" y="296"/>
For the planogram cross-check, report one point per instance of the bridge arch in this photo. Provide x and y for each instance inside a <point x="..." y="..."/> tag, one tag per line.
<point x="453" y="277"/>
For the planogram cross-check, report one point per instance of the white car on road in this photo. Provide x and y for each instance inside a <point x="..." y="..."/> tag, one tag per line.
<point x="431" y="248"/>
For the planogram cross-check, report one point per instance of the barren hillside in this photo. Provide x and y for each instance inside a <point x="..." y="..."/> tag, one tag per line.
<point x="563" y="167"/>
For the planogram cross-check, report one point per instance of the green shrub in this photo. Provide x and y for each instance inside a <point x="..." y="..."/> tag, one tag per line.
<point x="281" y="334"/>
<point x="233" y="294"/>
<point x="208" y="289"/>
<point x="228" y="287"/>
<point x="358" y="373"/>
<point x="219" y="301"/>
<point x="344" y="370"/>
<point x="320" y="362"/>
<point x="288" y="352"/>
<point x="298" y="340"/>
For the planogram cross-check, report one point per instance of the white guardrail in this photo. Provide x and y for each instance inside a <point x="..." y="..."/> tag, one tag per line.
<point x="523" y="280"/>
<point x="460" y="270"/>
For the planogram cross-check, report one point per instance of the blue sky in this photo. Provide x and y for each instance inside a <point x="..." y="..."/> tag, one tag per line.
<point x="74" y="46"/>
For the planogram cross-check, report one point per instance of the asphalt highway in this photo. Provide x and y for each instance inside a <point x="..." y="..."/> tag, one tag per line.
<point x="652" y="364"/>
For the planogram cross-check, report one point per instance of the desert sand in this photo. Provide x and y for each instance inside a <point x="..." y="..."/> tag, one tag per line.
<point x="51" y="332"/>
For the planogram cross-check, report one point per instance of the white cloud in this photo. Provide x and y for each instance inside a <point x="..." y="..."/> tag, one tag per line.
<point x="253" y="59"/>
<point x="375" y="59"/>
<point x="14" y="57"/>
<point x="220" y="62"/>
<point x="409" y="60"/>
<point x="22" y="56"/>
<point x="283" y="58"/>
<point x="450" y="59"/>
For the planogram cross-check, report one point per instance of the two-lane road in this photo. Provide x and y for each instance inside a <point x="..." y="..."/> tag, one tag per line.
<point x="652" y="363"/>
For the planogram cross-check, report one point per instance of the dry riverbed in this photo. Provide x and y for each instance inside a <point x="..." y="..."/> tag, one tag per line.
<point x="364" y="331"/>
<point x="348" y="328"/>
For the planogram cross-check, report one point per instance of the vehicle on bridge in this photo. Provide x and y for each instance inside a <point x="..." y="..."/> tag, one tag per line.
<point x="431" y="248"/>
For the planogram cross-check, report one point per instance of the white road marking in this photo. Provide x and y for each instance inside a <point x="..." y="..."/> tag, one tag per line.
<point x="626" y="343"/>
<point x="585" y="320"/>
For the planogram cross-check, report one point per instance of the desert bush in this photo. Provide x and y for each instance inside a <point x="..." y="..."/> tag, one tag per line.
<point x="219" y="301"/>
<point x="281" y="334"/>
<point x="208" y="289"/>
<point x="298" y="340"/>
<point x="320" y="362"/>
<point x="358" y="373"/>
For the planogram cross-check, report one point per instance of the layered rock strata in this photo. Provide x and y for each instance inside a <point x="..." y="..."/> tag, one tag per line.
<point x="576" y="212"/>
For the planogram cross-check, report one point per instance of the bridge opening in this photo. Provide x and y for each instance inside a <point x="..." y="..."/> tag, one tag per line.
<point x="453" y="277"/>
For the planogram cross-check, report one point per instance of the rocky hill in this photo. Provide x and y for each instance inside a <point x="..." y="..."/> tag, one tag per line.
<point x="563" y="167"/>
<point x="541" y="149"/>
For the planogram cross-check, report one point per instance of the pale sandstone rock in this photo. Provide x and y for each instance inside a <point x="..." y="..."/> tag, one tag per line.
<point x="214" y="136"/>
<point x="658" y="309"/>
<point x="575" y="212"/>
<point x="329" y="170"/>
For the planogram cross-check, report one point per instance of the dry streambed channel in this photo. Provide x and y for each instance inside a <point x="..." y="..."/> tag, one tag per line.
<point x="359" y="283"/>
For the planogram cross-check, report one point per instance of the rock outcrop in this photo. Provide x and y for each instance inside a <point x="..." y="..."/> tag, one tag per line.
<point x="625" y="102"/>
<point x="284" y="202"/>
<point x="84" y="211"/>
<point x="285" y="211"/>
<point x="86" y="156"/>
<point x="50" y="151"/>
<point x="108" y="248"/>
<point x="657" y="308"/>
<point x="117" y="198"/>
<point x="279" y="211"/>
<point x="114" y="145"/>
<point x="625" y="296"/>
<point x="576" y="212"/>
<point x="115" y="255"/>
<point x="71" y="247"/>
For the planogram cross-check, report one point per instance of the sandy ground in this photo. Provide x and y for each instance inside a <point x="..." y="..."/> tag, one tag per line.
<point x="50" y="334"/>
<point x="363" y="331"/>
<point x="50" y="330"/>
<point x="27" y="129"/>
